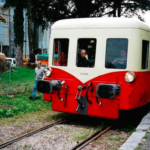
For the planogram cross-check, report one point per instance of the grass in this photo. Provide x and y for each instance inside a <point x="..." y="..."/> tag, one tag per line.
<point x="82" y="137"/>
<point x="20" y="104"/>
<point x="19" y="121"/>
<point x="113" y="138"/>
<point x="11" y="105"/>
<point x="102" y="125"/>
<point x="128" y="129"/>
<point x="26" y="146"/>
<point x="19" y="75"/>
<point x="140" y="146"/>
<point x="21" y="79"/>
<point x="145" y="137"/>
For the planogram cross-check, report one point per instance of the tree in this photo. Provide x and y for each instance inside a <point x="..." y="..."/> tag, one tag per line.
<point x="83" y="9"/>
<point x="18" y="29"/>
<point x="118" y="8"/>
<point x="19" y="33"/>
<point x="52" y="10"/>
<point x="30" y="30"/>
<point x="28" y="5"/>
<point x="41" y="12"/>
<point x="44" y="11"/>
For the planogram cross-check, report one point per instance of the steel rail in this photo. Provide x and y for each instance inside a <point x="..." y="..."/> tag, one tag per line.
<point x="91" y="138"/>
<point x="29" y="134"/>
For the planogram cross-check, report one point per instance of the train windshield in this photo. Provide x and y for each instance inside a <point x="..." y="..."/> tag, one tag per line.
<point x="86" y="50"/>
<point x="60" y="54"/>
<point x="116" y="53"/>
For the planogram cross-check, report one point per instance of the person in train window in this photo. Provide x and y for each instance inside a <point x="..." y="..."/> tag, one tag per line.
<point x="83" y="60"/>
<point x="121" y="61"/>
<point x="62" y="59"/>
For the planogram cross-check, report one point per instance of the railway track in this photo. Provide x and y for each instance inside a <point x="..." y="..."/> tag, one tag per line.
<point x="79" y="146"/>
<point x="91" y="138"/>
<point x="3" y="145"/>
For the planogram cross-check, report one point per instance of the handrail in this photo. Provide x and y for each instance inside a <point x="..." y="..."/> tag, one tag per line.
<point x="90" y="84"/>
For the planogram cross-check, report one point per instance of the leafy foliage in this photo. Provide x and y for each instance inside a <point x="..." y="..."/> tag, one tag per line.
<point x="18" y="28"/>
<point x="115" y="8"/>
<point x="18" y="20"/>
<point x="44" y="11"/>
<point x="127" y="8"/>
<point x="52" y="10"/>
<point x="41" y="12"/>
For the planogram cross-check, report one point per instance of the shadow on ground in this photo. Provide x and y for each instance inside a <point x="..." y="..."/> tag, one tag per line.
<point x="128" y="120"/>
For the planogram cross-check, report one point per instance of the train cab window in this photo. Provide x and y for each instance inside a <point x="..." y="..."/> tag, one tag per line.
<point x="116" y="53"/>
<point x="145" y="54"/>
<point x="60" y="54"/>
<point x="86" y="50"/>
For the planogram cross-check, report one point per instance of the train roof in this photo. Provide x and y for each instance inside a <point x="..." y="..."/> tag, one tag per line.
<point x="90" y="23"/>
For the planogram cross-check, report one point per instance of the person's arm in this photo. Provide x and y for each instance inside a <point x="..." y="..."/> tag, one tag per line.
<point x="78" y="62"/>
<point x="114" y="61"/>
<point x="59" y="61"/>
<point x="86" y="56"/>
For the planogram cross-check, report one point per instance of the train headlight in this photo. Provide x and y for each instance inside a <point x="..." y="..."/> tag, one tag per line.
<point x="47" y="72"/>
<point x="130" y="77"/>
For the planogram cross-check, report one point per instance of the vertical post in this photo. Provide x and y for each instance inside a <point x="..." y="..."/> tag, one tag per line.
<point x="25" y="40"/>
<point x="1" y="46"/>
<point x="42" y="41"/>
<point x="10" y="43"/>
<point x="9" y="77"/>
<point x="25" y="35"/>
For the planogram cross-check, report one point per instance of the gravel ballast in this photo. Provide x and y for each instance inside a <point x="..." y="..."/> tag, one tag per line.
<point x="60" y="137"/>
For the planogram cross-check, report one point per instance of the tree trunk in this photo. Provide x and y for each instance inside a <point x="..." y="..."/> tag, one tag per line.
<point x="30" y="32"/>
<point x="18" y="56"/>
<point x="119" y="8"/>
<point x="18" y="32"/>
<point x="114" y="9"/>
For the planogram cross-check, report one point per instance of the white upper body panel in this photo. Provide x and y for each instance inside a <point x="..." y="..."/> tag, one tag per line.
<point x="92" y="23"/>
<point x="101" y="29"/>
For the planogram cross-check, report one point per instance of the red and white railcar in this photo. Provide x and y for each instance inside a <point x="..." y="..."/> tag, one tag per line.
<point x="115" y="75"/>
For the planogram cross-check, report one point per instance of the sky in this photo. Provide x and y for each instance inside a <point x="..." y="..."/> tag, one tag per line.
<point x="147" y="18"/>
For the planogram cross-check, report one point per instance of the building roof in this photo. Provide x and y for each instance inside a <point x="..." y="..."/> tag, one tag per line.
<point x="90" y="23"/>
<point x="43" y="57"/>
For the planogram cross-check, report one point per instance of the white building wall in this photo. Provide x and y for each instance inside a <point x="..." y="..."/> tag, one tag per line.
<point x="4" y="30"/>
<point x="7" y="33"/>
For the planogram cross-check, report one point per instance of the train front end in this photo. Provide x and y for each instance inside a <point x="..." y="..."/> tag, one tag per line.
<point x="94" y="70"/>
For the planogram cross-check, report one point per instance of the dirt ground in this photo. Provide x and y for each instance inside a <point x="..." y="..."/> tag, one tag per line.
<point x="60" y="137"/>
<point x="15" y="126"/>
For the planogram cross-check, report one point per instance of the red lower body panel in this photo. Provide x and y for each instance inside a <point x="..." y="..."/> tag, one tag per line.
<point x="132" y="95"/>
<point x="107" y="109"/>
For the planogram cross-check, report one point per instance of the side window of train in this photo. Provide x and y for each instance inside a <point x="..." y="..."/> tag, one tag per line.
<point x="60" y="53"/>
<point x="145" y="54"/>
<point x="116" y="53"/>
<point x="86" y="50"/>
